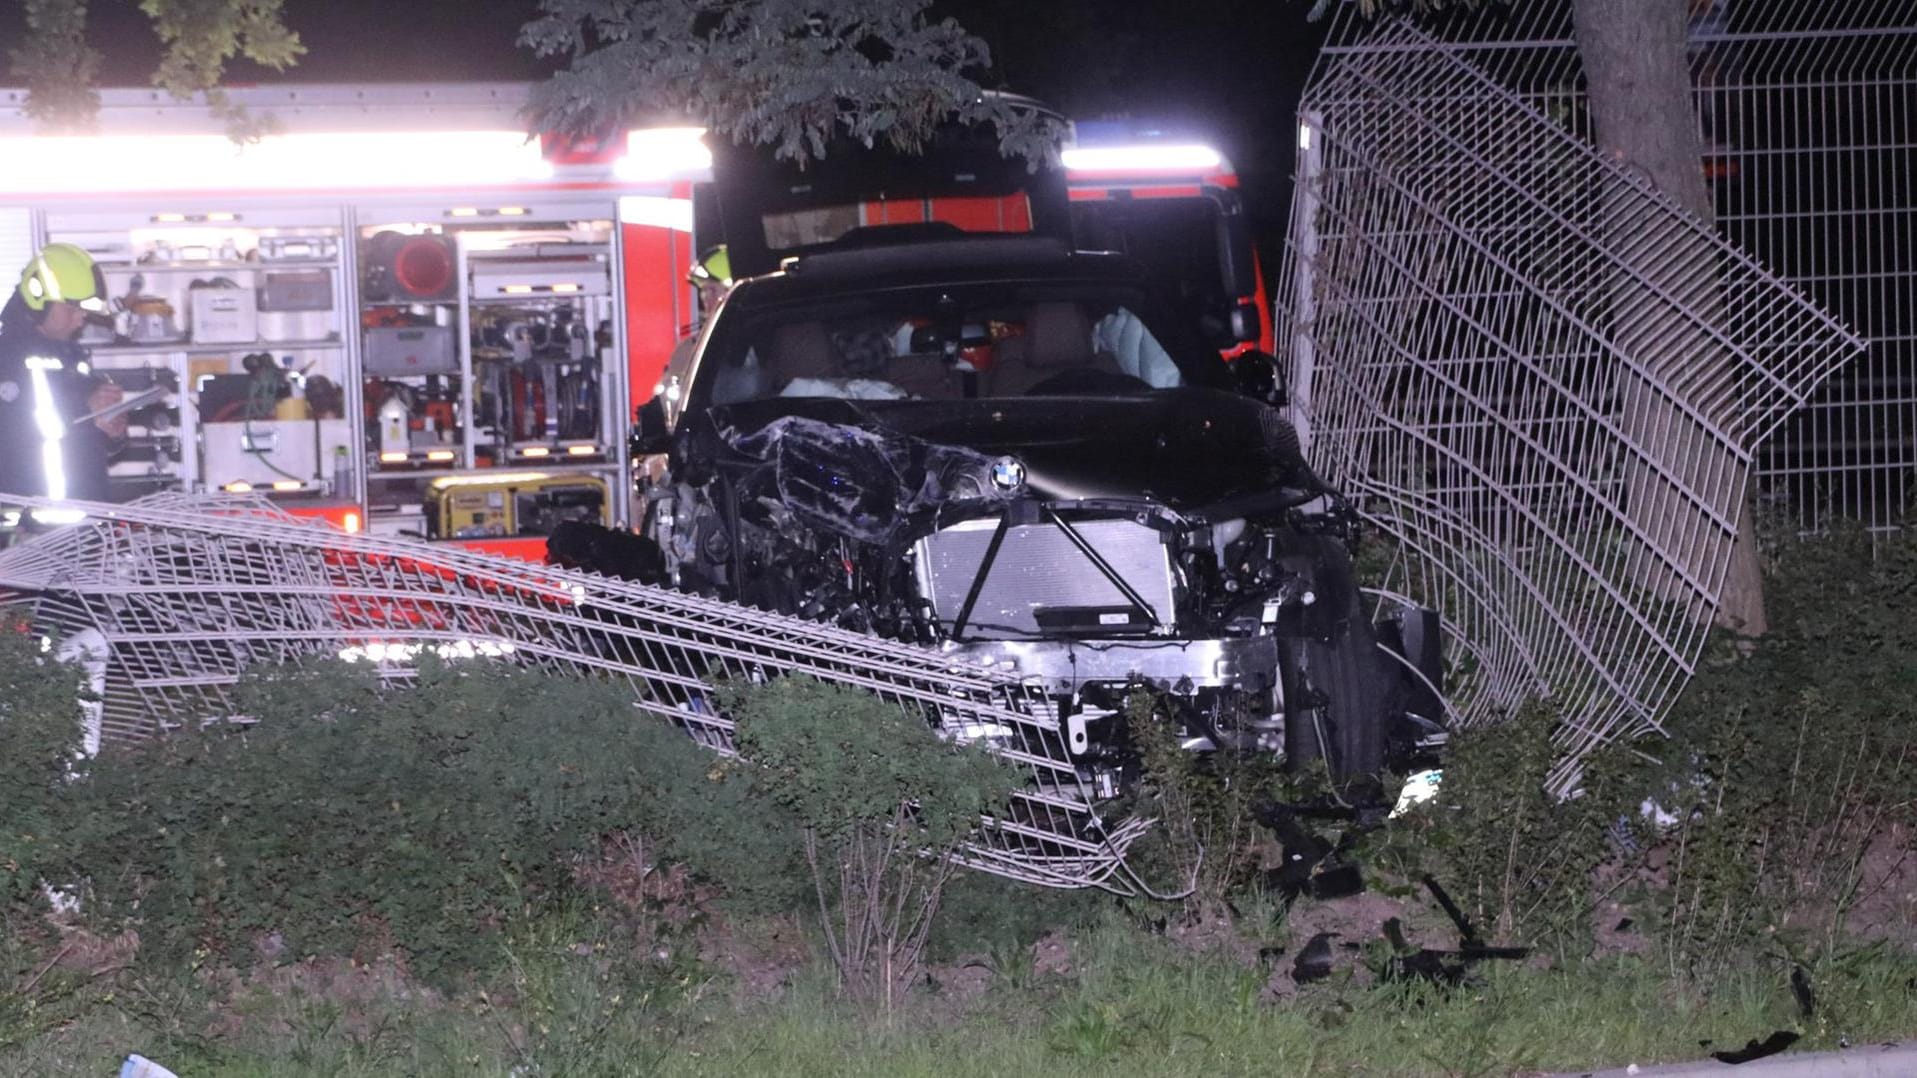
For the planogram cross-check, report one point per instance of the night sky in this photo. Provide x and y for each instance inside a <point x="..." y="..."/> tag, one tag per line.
<point x="1229" y="67"/>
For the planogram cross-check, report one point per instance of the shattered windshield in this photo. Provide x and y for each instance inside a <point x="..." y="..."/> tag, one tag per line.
<point x="948" y="344"/>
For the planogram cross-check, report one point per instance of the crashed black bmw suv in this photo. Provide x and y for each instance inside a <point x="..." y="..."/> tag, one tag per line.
<point x="1001" y="447"/>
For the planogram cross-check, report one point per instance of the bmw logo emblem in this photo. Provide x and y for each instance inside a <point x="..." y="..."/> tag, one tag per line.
<point x="1008" y="473"/>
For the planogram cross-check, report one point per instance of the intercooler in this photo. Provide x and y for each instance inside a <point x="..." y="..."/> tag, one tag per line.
<point x="1043" y="583"/>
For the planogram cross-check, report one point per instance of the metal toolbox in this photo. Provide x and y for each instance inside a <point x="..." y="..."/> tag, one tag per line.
<point x="223" y="315"/>
<point x="293" y="248"/>
<point x="269" y="451"/>
<point x="399" y="351"/>
<point x="297" y="290"/>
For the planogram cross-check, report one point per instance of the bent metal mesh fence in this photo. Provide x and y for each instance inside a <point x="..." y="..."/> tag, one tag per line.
<point x="188" y="591"/>
<point x="1543" y="380"/>
<point x="1808" y="113"/>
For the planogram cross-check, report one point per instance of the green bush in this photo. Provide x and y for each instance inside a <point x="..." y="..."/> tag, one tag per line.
<point x="1206" y="842"/>
<point x="39" y="745"/>
<point x="1788" y="763"/>
<point x="1519" y="861"/>
<point x="1792" y="761"/>
<point x="417" y="817"/>
<point x="880" y="798"/>
<point x="986" y="915"/>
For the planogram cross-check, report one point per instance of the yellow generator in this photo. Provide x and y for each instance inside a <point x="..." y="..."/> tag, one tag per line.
<point x="480" y="506"/>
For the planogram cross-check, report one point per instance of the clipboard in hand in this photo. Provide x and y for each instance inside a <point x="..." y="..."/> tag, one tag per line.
<point x="125" y="405"/>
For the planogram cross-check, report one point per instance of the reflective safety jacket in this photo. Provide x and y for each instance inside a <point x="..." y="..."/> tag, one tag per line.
<point x="44" y="385"/>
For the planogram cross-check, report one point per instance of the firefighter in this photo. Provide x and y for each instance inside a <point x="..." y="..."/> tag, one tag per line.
<point x="46" y="382"/>
<point x="711" y="276"/>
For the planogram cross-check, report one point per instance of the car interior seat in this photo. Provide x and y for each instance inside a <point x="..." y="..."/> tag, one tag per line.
<point x="1057" y="337"/>
<point x="800" y="350"/>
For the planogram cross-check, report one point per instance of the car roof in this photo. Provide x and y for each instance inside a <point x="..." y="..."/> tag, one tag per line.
<point x="958" y="262"/>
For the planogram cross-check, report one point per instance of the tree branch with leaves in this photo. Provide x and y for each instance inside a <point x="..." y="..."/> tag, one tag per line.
<point x="198" y="38"/>
<point x="790" y="74"/>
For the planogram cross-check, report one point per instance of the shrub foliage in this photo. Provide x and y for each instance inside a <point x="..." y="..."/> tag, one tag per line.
<point x="353" y="818"/>
<point x="880" y="798"/>
<point x="1791" y="764"/>
<point x="39" y="742"/>
<point x="425" y="819"/>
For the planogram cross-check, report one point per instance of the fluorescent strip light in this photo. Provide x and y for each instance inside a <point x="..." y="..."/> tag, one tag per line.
<point x="582" y="450"/>
<point x="536" y="451"/>
<point x="392" y="458"/>
<point x="656" y="212"/>
<point x="488" y="480"/>
<point x="1147" y="157"/>
<point x="439" y="454"/>
<point x="660" y="153"/>
<point x="288" y="484"/>
<point x="238" y="488"/>
<point x="74" y="164"/>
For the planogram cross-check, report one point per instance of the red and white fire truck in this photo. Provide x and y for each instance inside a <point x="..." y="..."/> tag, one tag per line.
<point x="402" y="314"/>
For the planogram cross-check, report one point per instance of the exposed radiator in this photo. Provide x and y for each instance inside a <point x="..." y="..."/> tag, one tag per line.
<point x="1041" y="583"/>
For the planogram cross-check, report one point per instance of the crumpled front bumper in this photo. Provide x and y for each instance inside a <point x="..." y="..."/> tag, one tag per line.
<point x="1063" y="666"/>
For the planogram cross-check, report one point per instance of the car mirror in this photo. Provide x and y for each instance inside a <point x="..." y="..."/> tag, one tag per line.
<point x="1259" y="376"/>
<point x="651" y="435"/>
<point x="1246" y="326"/>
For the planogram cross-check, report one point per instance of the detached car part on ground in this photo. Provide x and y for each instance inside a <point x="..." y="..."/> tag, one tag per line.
<point x="1011" y="452"/>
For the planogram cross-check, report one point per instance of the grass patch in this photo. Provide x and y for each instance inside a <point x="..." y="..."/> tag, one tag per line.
<point x="1132" y="1003"/>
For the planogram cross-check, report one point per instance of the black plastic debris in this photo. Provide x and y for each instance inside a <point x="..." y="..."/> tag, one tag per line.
<point x="1314" y="960"/>
<point x="1470" y="947"/>
<point x="1467" y="934"/>
<point x="1801" y="989"/>
<point x="1336" y="880"/>
<point x="1754" y="1050"/>
<point x="1410" y="963"/>
<point x="1440" y="967"/>
<point x="1783" y="1038"/>
<point x="1315" y="866"/>
<point x="1311" y="864"/>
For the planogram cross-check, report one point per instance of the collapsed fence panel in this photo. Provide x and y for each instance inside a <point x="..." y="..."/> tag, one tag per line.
<point x="1808" y="118"/>
<point x="1541" y="378"/>
<point x="188" y="592"/>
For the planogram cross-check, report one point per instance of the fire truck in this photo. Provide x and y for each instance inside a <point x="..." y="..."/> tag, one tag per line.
<point x="401" y="313"/>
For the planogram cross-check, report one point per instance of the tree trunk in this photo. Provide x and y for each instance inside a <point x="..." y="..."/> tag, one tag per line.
<point x="1637" y="74"/>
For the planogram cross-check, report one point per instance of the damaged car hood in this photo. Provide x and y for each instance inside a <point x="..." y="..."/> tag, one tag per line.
<point x="871" y="485"/>
<point x="1184" y="448"/>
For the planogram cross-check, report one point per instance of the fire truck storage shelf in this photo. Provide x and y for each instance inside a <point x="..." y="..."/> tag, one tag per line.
<point x="394" y="349"/>
<point x="400" y="293"/>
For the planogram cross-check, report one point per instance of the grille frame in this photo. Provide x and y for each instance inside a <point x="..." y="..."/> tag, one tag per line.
<point x="1039" y="561"/>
